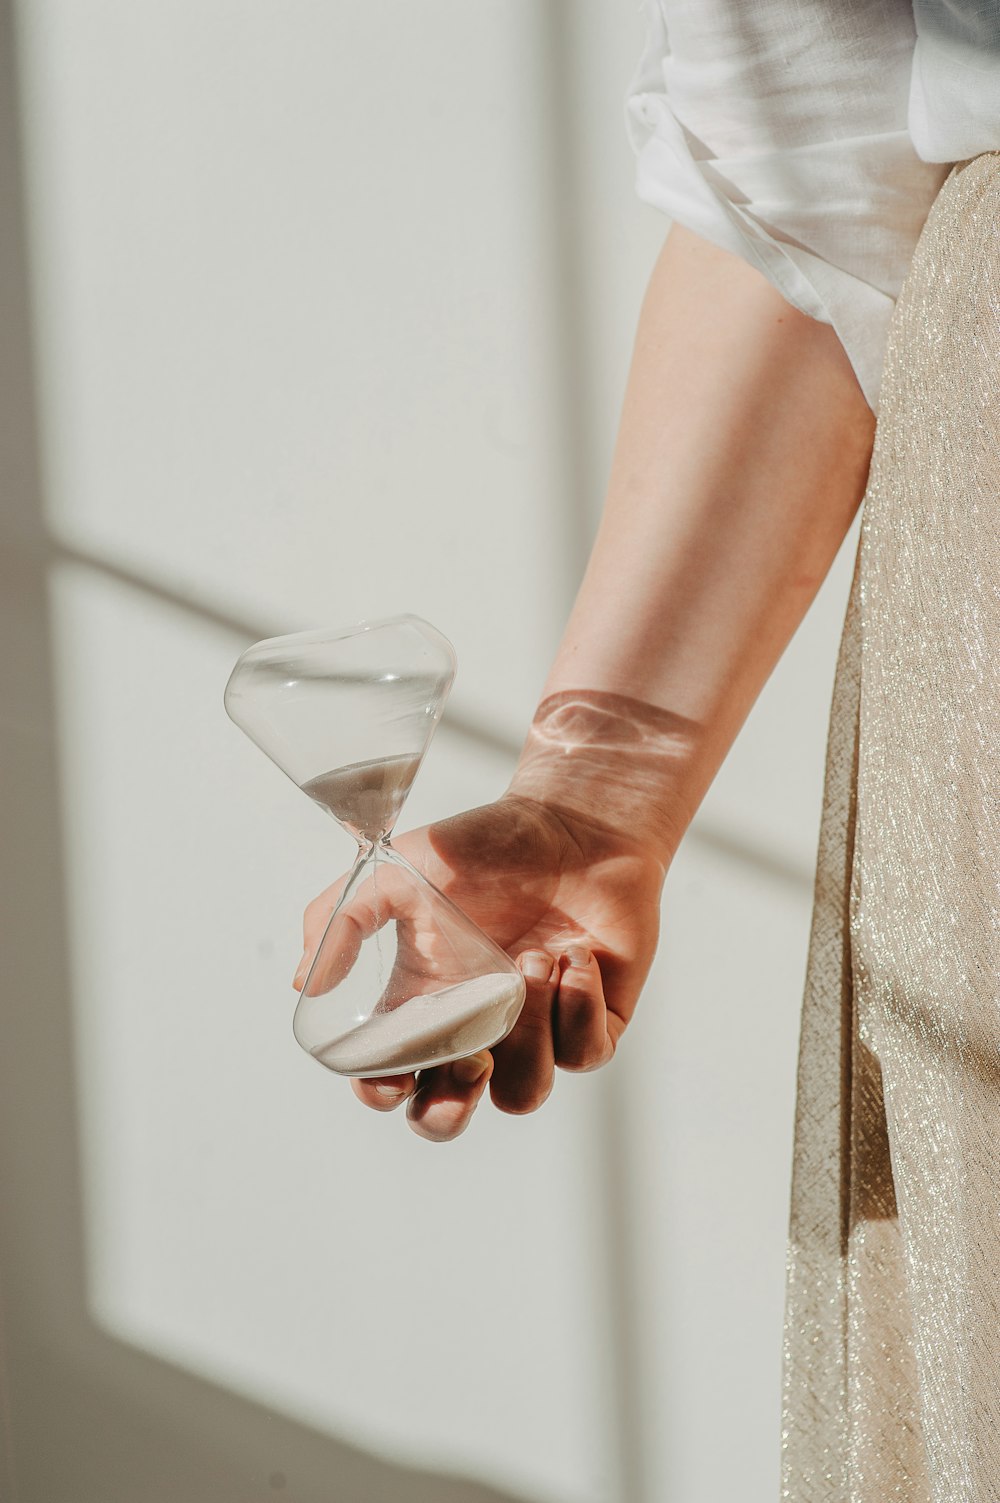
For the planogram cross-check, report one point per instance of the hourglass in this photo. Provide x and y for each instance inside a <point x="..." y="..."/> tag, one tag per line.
<point x="402" y="978"/>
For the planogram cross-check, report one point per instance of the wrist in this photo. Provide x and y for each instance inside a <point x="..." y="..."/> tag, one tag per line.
<point x="613" y="763"/>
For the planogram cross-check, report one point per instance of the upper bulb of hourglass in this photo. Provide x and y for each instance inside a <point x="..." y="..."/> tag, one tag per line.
<point x="348" y="715"/>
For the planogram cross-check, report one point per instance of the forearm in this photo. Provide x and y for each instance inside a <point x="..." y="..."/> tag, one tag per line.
<point x="741" y="459"/>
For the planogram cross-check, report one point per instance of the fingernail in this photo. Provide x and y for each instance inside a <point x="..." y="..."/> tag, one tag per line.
<point x="578" y="956"/>
<point x="300" y="974"/>
<point x="471" y="1069"/>
<point x="537" y="967"/>
<point x="393" y="1092"/>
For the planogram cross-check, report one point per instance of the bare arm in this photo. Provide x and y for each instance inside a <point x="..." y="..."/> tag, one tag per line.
<point x="741" y="459"/>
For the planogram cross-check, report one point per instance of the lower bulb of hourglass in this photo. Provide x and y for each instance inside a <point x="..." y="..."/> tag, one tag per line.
<point x="402" y="979"/>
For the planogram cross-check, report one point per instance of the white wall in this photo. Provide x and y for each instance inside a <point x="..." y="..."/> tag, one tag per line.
<point x="331" y="312"/>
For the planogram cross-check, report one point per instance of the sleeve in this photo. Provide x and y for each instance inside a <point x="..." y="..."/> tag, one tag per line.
<point x="777" y="129"/>
<point x="955" y="90"/>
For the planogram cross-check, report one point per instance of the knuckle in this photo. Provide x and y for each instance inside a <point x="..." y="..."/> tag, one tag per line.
<point x="520" y="1101"/>
<point x="577" y="1061"/>
<point x="436" y="1121"/>
<point x="584" y="1057"/>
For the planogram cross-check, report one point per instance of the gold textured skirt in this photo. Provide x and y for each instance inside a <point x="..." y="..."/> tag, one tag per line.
<point x="892" y="1316"/>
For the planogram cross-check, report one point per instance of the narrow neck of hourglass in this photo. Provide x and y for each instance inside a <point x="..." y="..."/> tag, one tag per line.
<point x="373" y="845"/>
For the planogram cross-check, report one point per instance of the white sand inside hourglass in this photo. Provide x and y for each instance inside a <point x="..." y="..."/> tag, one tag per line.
<point x="437" y="1026"/>
<point x="366" y="797"/>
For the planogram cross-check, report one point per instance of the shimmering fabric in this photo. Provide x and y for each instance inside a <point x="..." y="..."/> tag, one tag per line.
<point x="892" y="1321"/>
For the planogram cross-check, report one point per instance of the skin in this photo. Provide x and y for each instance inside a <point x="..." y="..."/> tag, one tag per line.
<point x="741" y="459"/>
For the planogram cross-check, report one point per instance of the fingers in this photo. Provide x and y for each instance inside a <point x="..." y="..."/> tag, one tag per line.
<point x="442" y="1107"/>
<point x="314" y="923"/>
<point x="387" y="1092"/>
<point x="580" y="1019"/>
<point x="440" y="1101"/>
<point x="565" y="1021"/>
<point x="339" y="935"/>
<point x="524" y="1062"/>
<point x="349" y="913"/>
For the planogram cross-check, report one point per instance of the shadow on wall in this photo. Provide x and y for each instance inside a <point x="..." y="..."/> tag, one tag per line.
<point x="84" y="1417"/>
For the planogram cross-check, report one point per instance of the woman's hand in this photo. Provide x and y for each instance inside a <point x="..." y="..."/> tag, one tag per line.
<point x="575" y="902"/>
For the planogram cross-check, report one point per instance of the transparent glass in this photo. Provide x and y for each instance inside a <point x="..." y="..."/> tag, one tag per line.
<point x="402" y="978"/>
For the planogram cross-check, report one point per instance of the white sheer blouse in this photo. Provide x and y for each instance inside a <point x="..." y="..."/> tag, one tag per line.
<point x="810" y="137"/>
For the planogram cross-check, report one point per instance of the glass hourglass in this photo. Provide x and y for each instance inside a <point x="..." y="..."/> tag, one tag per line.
<point x="402" y="978"/>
